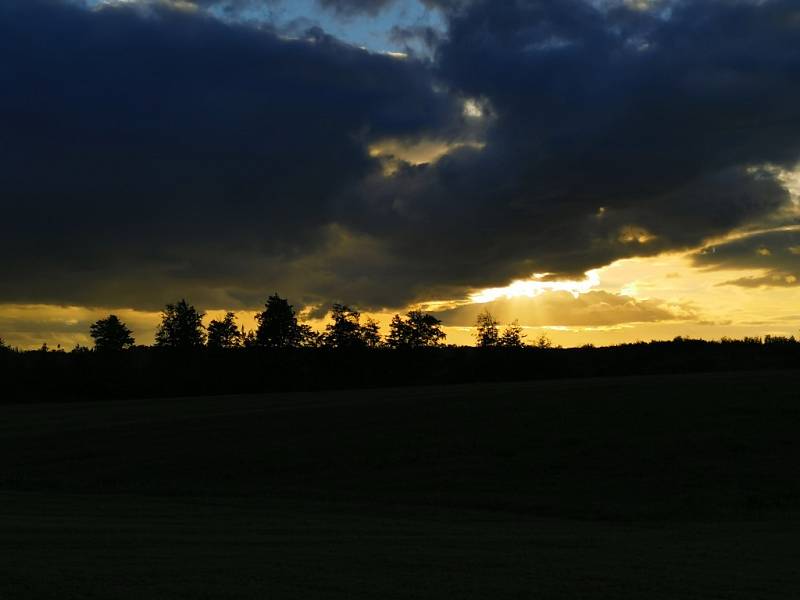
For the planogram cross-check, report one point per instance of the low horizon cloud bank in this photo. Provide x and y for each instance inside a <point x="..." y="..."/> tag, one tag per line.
<point x="562" y="309"/>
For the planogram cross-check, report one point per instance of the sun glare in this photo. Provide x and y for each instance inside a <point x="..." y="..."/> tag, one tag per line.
<point x="536" y="285"/>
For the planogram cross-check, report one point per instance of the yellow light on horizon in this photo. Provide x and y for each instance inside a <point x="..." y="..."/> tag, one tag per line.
<point x="530" y="288"/>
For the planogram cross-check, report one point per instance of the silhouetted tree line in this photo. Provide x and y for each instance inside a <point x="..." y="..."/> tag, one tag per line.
<point x="283" y="354"/>
<point x="182" y="328"/>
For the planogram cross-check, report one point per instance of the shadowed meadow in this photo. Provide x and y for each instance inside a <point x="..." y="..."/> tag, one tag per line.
<point x="657" y="486"/>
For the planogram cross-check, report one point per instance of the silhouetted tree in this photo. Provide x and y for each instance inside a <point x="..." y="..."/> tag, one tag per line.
<point x="371" y="333"/>
<point x="249" y="339"/>
<point x="111" y="335"/>
<point x="310" y="338"/>
<point x="486" y="334"/>
<point x="346" y="331"/>
<point x="543" y="342"/>
<point x="181" y="327"/>
<point x="512" y="336"/>
<point x="417" y="330"/>
<point x="224" y="334"/>
<point x="278" y="326"/>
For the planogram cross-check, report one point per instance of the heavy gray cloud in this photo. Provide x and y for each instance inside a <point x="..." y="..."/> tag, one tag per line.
<point x="147" y="156"/>
<point x="775" y="253"/>
<point x="607" y="123"/>
<point x="148" y="152"/>
<point x="351" y="7"/>
<point x="373" y="7"/>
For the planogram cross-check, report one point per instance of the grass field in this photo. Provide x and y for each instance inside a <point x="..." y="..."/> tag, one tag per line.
<point x="647" y="487"/>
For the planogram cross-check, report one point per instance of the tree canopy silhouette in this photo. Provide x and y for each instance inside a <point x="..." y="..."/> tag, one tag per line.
<point x="111" y="335"/>
<point x="543" y="342"/>
<point x="224" y="334"/>
<point x="181" y="327"/>
<point x="417" y="330"/>
<point x="371" y="333"/>
<point x="512" y="336"/>
<point x="486" y="334"/>
<point x="347" y="332"/>
<point x="278" y="326"/>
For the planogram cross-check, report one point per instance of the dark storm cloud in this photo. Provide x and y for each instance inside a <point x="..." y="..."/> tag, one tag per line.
<point x="373" y="7"/>
<point x="234" y="5"/>
<point x="775" y="253"/>
<point x="150" y="154"/>
<point x="615" y="133"/>
<point x="352" y="7"/>
<point x="772" y="279"/>
<point x="416" y="38"/>
<point x="148" y="151"/>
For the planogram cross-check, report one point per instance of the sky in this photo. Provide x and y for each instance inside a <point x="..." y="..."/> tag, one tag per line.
<point x="602" y="171"/>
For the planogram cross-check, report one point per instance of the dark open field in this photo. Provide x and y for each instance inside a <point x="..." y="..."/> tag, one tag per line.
<point x="645" y="487"/>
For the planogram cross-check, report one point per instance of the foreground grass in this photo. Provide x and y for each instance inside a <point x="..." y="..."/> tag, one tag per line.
<point x="652" y="487"/>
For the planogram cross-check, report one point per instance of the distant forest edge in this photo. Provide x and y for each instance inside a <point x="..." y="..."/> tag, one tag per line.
<point x="283" y="354"/>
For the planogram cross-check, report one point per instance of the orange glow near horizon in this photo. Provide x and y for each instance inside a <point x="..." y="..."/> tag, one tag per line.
<point x="699" y="302"/>
<point x="686" y="300"/>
